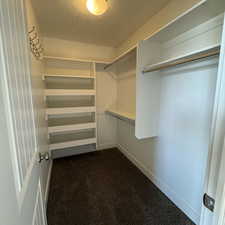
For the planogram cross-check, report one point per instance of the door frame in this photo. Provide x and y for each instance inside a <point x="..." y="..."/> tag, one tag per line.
<point x="215" y="179"/>
<point x="15" y="75"/>
<point x="219" y="214"/>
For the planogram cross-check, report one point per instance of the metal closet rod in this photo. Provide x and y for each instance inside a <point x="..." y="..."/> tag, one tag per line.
<point x="191" y="58"/>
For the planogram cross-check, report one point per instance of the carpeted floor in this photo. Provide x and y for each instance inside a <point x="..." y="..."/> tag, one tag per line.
<point x="104" y="188"/>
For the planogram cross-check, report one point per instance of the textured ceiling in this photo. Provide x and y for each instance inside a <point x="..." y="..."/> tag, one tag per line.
<point x="70" y="20"/>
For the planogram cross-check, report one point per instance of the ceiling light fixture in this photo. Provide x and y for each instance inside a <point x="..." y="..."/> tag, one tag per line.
<point x="97" y="7"/>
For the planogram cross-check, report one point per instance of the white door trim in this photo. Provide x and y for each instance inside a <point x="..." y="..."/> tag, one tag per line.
<point x="219" y="212"/>
<point x="216" y="159"/>
<point x="20" y="148"/>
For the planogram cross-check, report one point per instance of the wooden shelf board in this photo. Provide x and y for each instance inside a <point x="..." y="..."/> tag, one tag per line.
<point x="73" y="127"/>
<point x="72" y="143"/>
<point x="68" y="92"/>
<point x="67" y="76"/>
<point x="122" y="115"/>
<point x="70" y="110"/>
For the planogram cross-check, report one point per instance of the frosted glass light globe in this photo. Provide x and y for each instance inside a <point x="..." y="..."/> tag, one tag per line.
<point x="97" y="7"/>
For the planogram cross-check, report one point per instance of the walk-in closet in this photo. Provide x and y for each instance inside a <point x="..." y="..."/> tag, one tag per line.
<point x="125" y="108"/>
<point x="154" y="101"/>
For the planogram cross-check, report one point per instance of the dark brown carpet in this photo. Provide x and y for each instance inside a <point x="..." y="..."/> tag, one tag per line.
<point x="104" y="188"/>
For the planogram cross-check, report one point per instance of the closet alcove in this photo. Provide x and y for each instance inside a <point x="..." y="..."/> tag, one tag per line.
<point x="115" y="118"/>
<point x="171" y="96"/>
<point x="165" y="53"/>
<point x="124" y="73"/>
<point x="136" y="94"/>
<point x="155" y="104"/>
<point x="139" y="73"/>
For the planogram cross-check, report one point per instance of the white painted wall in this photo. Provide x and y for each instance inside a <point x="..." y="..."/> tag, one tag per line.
<point x="39" y="104"/>
<point x="106" y="98"/>
<point x="176" y="160"/>
<point x="127" y="102"/>
<point x="78" y="50"/>
<point x="125" y="71"/>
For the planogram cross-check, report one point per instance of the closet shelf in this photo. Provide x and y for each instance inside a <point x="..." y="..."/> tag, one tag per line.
<point x="72" y="143"/>
<point x="73" y="127"/>
<point x="88" y="60"/>
<point x="67" y="76"/>
<point x="68" y="92"/>
<point x="129" y="117"/>
<point x="214" y="51"/>
<point x="69" y="110"/>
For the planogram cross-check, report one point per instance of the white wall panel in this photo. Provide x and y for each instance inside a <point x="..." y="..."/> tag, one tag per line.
<point x="106" y="98"/>
<point x="77" y="50"/>
<point x="107" y="131"/>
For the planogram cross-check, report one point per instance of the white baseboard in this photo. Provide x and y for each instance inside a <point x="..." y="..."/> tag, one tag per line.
<point x="106" y="146"/>
<point x="48" y="182"/>
<point x="177" y="200"/>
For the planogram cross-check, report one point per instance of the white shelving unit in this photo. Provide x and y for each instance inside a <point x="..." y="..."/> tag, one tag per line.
<point x="71" y="105"/>
<point x="170" y="49"/>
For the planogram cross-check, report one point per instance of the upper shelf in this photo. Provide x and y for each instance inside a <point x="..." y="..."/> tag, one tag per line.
<point x="129" y="117"/>
<point x="197" y="43"/>
<point x="76" y="59"/>
<point x="203" y="54"/>
<point x="67" y="76"/>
